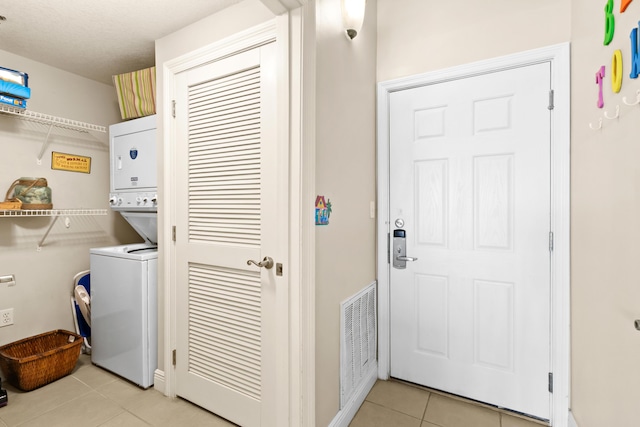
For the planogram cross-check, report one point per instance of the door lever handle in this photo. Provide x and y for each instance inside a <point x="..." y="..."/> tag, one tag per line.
<point x="406" y="258"/>
<point x="267" y="262"/>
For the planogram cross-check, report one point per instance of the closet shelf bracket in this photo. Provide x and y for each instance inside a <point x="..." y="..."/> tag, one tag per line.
<point x="44" y="144"/>
<point x="46" y="233"/>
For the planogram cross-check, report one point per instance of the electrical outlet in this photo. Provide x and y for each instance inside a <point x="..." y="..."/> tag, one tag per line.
<point x="6" y="317"/>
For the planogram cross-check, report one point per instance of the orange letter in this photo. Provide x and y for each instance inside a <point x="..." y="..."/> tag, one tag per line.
<point x="624" y="4"/>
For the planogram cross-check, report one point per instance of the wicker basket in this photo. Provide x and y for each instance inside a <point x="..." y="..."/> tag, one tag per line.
<point x="36" y="361"/>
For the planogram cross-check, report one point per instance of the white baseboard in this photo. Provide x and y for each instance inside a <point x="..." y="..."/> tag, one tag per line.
<point x="158" y="380"/>
<point x="572" y="421"/>
<point x="346" y="414"/>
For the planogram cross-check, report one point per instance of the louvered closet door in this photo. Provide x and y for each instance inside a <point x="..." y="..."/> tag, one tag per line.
<point x="226" y="214"/>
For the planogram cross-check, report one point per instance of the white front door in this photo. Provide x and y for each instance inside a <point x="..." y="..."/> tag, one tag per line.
<point x="470" y="187"/>
<point x="228" y="183"/>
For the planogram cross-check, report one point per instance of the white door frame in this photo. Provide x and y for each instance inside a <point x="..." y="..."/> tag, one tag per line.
<point x="559" y="58"/>
<point x="296" y="384"/>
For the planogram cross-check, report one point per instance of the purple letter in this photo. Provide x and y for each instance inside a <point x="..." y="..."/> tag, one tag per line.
<point x="599" y="79"/>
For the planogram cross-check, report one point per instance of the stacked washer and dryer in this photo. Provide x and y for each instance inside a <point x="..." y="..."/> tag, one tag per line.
<point x="124" y="319"/>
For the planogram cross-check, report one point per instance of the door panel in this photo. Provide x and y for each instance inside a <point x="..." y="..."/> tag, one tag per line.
<point x="470" y="180"/>
<point x="225" y="209"/>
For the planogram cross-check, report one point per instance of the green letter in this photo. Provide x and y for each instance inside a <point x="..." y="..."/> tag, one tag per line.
<point x="609" y="23"/>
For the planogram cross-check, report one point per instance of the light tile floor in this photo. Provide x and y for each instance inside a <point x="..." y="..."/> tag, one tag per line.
<point x="92" y="397"/>
<point x="394" y="403"/>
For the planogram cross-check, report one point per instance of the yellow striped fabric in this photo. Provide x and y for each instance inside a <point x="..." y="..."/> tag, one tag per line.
<point x="136" y="93"/>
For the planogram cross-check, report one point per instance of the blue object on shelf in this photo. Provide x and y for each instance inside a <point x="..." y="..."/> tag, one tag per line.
<point x="13" y="101"/>
<point x="14" y="76"/>
<point x="15" y="90"/>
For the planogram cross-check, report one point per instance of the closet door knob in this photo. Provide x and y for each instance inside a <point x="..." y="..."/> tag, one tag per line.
<point x="267" y="262"/>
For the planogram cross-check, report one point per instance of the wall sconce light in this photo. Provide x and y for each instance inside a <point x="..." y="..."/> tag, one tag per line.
<point x="353" y="16"/>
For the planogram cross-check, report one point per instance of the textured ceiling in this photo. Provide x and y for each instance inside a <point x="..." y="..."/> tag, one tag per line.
<point x="96" y="38"/>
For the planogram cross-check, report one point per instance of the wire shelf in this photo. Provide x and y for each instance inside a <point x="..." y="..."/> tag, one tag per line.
<point x="51" y="120"/>
<point x="52" y="212"/>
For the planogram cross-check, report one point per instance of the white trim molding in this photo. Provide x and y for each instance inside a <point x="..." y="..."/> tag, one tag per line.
<point x="302" y="227"/>
<point x="572" y="420"/>
<point x="344" y="416"/>
<point x="278" y="7"/>
<point x="158" y="381"/>
<point x="558" y="56"/>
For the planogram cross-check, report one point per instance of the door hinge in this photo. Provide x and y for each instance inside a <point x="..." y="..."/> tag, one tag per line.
<point x="173" y="108"/>
<point x="551" y="241"/>
<point x="551" y="104"/>
<point x="173" y="233"/>
<point x="550" y="382"/>
<point x="173" y="357"/>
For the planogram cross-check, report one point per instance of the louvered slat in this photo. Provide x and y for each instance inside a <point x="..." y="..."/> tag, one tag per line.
<point x="224" y="150"/>
<point x="224" y="200"/>
<point x="225" y="327"/>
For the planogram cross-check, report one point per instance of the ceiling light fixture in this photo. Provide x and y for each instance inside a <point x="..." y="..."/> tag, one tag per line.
<point x="353" y="16"/>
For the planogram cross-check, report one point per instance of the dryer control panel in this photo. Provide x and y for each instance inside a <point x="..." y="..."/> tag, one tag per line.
<point x="133" y="201"/>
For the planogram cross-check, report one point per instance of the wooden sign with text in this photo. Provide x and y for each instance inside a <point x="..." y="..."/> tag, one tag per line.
<point x="70" y="162"/>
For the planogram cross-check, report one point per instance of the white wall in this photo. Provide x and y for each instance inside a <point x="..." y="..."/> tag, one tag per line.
<point x="345" y="174"/>
<point x="415" y="36"/>
<point x="605" y="208"/>
<point x="44" y="279"/>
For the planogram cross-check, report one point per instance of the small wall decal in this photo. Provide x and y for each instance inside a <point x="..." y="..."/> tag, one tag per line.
<point x="635" y="53"/>
<point x="616" y="71"/>
<point x="609" y="23"/>
<point x="323" y="210"/>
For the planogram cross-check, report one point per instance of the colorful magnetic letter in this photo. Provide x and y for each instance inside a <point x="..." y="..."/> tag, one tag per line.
<point x="609" y="23"/>
<point x="635" y="55"/>
<point x="624" y="4"/>
<point x="616" y="71"/>
<point x="599" y="78"/>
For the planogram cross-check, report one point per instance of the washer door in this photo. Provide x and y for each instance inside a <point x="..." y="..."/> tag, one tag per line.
<point x="145" y="224"/>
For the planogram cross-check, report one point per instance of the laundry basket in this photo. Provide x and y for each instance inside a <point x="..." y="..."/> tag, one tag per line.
<point x="38" y="360"/>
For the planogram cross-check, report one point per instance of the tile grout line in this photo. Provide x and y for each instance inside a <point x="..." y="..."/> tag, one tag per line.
<point x="394" y="410"/>
<point x="500" y="411"/>
<point x="58" y="406"/>
<point x="424" y="413"/>
<point x="115" y="402"/>
<point x="115" y="416"/>
<point x="125" y="411"/>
